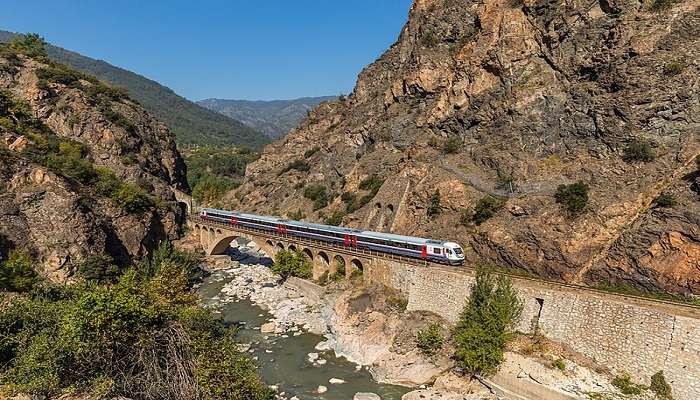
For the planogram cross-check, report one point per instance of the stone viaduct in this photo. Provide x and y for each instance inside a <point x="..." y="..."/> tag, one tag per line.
<point x="625" y="334"/>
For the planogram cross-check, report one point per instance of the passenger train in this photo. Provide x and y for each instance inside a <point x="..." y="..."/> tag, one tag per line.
<point x="408" y="246"/>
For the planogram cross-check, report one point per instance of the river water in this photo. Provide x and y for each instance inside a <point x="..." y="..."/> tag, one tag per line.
<point x="284" y="360"/>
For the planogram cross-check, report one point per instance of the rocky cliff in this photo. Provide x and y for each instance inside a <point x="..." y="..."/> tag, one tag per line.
<point x="85" y="170"/>
<point x="496" y="104"/>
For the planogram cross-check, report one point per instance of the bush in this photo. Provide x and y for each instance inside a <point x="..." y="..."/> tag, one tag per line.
<point x="559" y="364"/>
<point x="451" y="145"/>
<point x="661" y="5"/>
<point x="100" y="269"/>
<point x="139" y="338"/>
<point x="430" y="340"/>
<point x="317" y="193"/>
<point x="665" y="199"/>
<point x="397" y="302"/>
<point x="660" y="386"/>
<point x="372" y="183"/>
<point x="486" y="208"/>
<point x="638" y="150"/>
<point x="17" y="273"/>
<point x="289" y="263"/>
<point x="486" y="323"/>
<point x="434" y="208"/>
<point x="132" y="198"/>
<point x="335" y="219"/>
<point x="573" y="197"/>
<point x="210" y="189"/>
<point x="674" y="67"/>
<point x="30" y="44"/>
<point x="626" y="386"/>
<point x="299" y="165"/>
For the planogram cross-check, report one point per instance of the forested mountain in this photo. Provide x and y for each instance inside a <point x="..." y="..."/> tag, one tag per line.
<point x="191" y="123"/>
<point x="274" y="118"/>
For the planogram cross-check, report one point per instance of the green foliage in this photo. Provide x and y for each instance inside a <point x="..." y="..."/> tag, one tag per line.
<point x="486" y="208"/>
<point x="213" y="172"/>
<point x="660" y="386"/>
<point x="31" y="45"/>
<point x="665" y="200"/>
<point x="559" y="364"/>
<point x="372" y="183"/>
<point x="434" y="208"/>
<point x="430" y="340"/>
<point x="17" y="272"/>
<point x="288" y="263"/>
<point x="210" y="189"/>
<point x="340" y="267"/>
<point x="297" y="215"/>
<point x="298" y="165"/>
<point x="335" y="219"/>
<point x="573" y="197"/>
<point x="486" y="323"/>
<point x="167" y="254"/>
<point x="397" y="302"/>
<point x="132" y="198"/>
<point x="317" y="193"/>
<point x="141" y="337"/>
<point x="452" y="145"/>
<point x="661" y="5"/>
<point x="638" y="150"/>
<point x="626" y="386"/>
<point x="99" y="268"/>
<point x="674" y="67"/>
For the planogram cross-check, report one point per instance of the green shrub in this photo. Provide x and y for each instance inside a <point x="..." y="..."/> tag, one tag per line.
<point x="486" y="208"/>
<point x="299" y="165"/>
<point x="674" y="67"/>
<point x="452" y="145"/>
<point x="340" y="267"/>
<point x="317" y="193"/>
<point x="30" y="44"/>
<point x="17" y="272"/>
<point x="288" y="263"/>
<point x="142" y="337"/>
<point x="100" y="269"/>
<point x="626" y="386"/>
<point x="397" y="302"/>
<point x="559" y="364"/>
<point x="430" y="340"/>
<point x="573" y="197"/>
<point x="434" y="208"/>
<point x="372" y="183"/>
<point x="132" y="198"/>
<point x="665" y="199"/>
<point x="638" y="150"/>
<point x="661" y="5"/>
<point x="660" y="386"/>
<point x="335" y="219"/>
<point x="210" y="189"/>
<point x="486" y="323"/>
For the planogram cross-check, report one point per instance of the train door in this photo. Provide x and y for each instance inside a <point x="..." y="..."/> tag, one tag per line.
<point x="282" y="228"/>
<point x="233" y="220"/>
<point x="350" y="240"/>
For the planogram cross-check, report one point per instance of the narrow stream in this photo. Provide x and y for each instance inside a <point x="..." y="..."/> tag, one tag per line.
<point x="284" y="361"/>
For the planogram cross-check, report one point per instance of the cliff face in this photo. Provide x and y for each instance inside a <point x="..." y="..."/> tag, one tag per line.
<point x="85" y="170"/>
<point x="513" y="99"/>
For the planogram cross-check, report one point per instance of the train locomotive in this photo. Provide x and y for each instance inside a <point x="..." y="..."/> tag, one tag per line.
<point x="408" y="246"/>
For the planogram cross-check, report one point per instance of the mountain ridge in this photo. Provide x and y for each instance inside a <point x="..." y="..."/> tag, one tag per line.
<point x="191" y="123"/>
<point x="275" y="118"/>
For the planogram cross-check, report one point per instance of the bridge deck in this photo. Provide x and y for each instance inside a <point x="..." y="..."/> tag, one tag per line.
<point x="670" y="306"/>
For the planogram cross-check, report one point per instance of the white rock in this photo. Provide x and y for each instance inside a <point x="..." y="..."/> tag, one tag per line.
<point x="366" y="396"/>
<point x="323" y="345"/>
<point x="321" y="389"/>
<point x="269" y="327"/>
<point x="336" y="381"/>
<point x="321" y="361"/>
<point x="313" y="357"/>
<point x="358" y="367"/>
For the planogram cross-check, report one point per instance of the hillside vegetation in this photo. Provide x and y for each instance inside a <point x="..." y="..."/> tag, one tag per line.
<point x="192" y="124"/>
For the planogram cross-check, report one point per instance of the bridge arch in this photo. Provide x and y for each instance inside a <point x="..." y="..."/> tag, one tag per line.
<point x="307" y="252"/>
<point x="356" y="265"/>
<point x="280" y="246"/>
<point x="339" y="265"/>
<point x="292" y="247"/>
<point x="323" y="258"/>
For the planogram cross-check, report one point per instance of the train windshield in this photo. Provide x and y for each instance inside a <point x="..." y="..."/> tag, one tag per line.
<point x="458" y="251"/>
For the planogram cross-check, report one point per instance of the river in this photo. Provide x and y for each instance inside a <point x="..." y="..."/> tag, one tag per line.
<point x="284" y="359"/>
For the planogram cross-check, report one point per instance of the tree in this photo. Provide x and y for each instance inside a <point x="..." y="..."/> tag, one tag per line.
<point x="638" y="150"/>
<point x="573" y="197"/>
<point x="485" y="208"/>
<point x="30" y="44"/>
<point x="289" y="263"/>
<point x="486" y="323"/>
<point x="434" y="208"/>
<point x="17" y="273"/>
<point x="99" y="268"/>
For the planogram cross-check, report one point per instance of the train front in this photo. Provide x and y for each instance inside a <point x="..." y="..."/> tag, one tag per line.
<point x="455" y="254"/>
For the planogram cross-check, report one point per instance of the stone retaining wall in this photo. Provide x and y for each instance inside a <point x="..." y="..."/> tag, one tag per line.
<point x="634" y="336"/>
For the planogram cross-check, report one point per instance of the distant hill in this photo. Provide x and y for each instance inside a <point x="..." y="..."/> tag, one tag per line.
<point x="274" y="118"/>
<point x="191" y="123"/>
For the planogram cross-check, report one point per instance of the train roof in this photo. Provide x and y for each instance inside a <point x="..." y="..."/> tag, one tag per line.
<point x="331" y="228"/>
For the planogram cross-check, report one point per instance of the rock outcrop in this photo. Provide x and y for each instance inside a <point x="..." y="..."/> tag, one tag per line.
<point x="512" y="99"/>
<point x="57" y="132"/>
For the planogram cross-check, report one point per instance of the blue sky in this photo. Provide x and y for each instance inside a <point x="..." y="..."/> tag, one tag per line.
<point x="272" y="49"/>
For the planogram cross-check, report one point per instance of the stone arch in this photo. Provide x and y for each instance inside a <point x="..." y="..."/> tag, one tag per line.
<point x="356" y="265"/>
<point x="218" y="232"/>
<point x="221" y="244"/>
<point x="280" y="246"/>
<point x="269" y="243"/>
<point x="390" y="207"/>
<point x="292" y="247"/>
<point x="307" y="252"/>
<point x="339" y="264"/>
<point x="323" y="258"/>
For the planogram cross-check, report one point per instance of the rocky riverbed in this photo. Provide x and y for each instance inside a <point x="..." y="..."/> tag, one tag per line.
<point x="347" y="340"/>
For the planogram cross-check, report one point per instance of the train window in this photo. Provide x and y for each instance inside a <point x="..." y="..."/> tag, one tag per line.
<point x="437" y="250"/>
